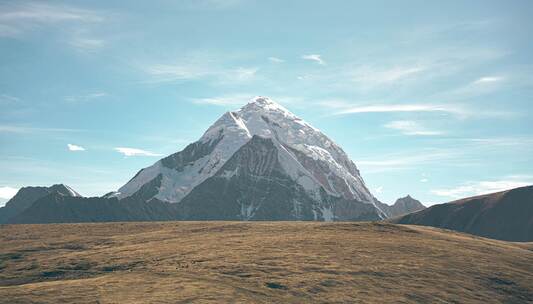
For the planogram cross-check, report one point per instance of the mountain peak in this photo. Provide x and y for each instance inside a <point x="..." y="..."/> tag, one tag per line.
<point x="26" y="196"/>
<point x="263" y="103"/>
<point x="408" y="201"/>
<point x="63" y="189"/>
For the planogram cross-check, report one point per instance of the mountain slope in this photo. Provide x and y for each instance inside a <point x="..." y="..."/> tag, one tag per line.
<point x="26" y="196"/>
<point x="506" y="215"/>
<point x="254" y="185"/>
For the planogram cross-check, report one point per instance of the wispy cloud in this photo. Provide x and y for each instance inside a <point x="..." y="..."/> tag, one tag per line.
<point x="275" y="60"/>
<point x="488" y="79"/>
<point x="160" y="73"/>
<point x="501" y="141"/>
<point x="85" y="97"/>
<point x="373" y="76"/>
<point x="408" y="160"/>
<point x="385" y="108"/>
<point x="72" y="147"/>
<point x="314" y="57"/>
<point x="135" y="152"/>
<point x="15" y="19"/>
<point x="428" y="33"/>
<point x="226" y="100"/>
<point x="41" y="12"/>
<point x="484" y="187"/>
<point x="418" y="71"/>
<point x="7" y="192"/>
<point x="168" y="72"/>
<point x="69" y="24"/>
<point x="452" y="152"/>
<point x="479" y="87"/>
<point x="29" y="129"/>
<point x="459" y="110"/>
<point x="8" y="99"/>
<point x="409" y="127"/>
<point x="240" y="74"/>
<point x="87" y="44"/>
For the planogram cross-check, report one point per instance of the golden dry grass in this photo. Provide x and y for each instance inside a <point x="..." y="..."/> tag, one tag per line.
<point x="258" y="262"/>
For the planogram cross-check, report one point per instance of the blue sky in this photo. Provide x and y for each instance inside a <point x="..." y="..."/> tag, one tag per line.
<point x="431" y="99"/>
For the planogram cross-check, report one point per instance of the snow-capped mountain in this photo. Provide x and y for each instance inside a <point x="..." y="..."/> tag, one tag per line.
<point x="263" y="144"/>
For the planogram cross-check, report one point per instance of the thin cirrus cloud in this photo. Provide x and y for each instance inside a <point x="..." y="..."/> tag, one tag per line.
<point x="85" y="97"/>
<point x="275" y="60"/>
<point x="72" y="147"/>
<point x="388" y="108"/>
<point x="135" y="152"/>
<point x="160" y="73"/>
<point x="314" y="57"/>
<point x="17" y="19"/>
<point x="484" y="187"/>
<point x="409" y="127"/>
<point x="74" y="23"/>
<point x="87" y="44"/>
<point x="372" y="76"/>
<point x="406" y="161"/>
<point x="226" y="100"/>
<point x="479" y="87"/>
<point x="45" y="13"/>
<point x="21" y="129"/>
<point x="8" y="99"/>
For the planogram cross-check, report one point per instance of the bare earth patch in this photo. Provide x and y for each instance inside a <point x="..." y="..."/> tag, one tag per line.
<point x="258" y="262"/>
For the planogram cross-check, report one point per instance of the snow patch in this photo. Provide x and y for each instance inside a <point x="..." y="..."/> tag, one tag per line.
<point x="71" y="191"/>
<point x="327" y="214"/>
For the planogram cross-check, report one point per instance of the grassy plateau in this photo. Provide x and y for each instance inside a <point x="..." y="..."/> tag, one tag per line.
<point x="258" y="262"/>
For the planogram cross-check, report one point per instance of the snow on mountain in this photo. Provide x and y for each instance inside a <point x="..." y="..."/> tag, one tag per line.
<point x="310" y="158"/>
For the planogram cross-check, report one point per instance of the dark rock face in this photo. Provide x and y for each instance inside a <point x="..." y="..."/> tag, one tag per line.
<point x="252" y="185"/>
<point x="506" y="215"/>
<point x="190" y="154"/>
<point x="26" y="196"/>
<point x="148" y="190"/>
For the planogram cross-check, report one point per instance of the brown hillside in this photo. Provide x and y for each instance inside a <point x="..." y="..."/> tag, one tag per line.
<point x="506" y="215"/>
